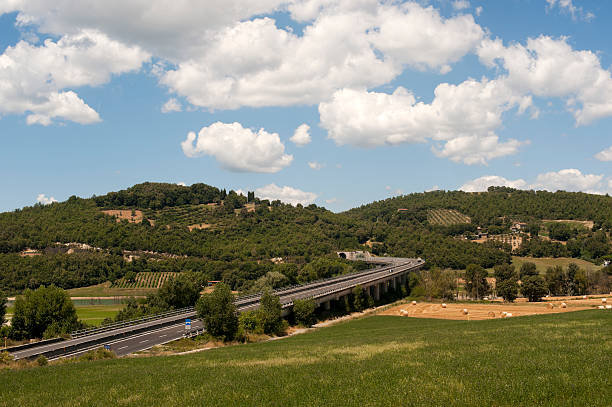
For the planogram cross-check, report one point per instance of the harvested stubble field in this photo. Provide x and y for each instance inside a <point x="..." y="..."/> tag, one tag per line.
<point x="543" y="360"/>
<point x="479" y="311"/>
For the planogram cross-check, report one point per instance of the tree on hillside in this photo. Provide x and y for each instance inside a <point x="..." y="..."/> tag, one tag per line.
<point x="3" y="302"/>
<point x="218" y="312"/>
<point x="476" y="281"/>
<point x="506" y="282"/>
<point x="534" y="288"/>
<point x="528" y="269"/>
<point x="555" y="280"/>
<point x="269" y="313"/>
<point x="179" y="292"/>
<point x="44" y="312"/>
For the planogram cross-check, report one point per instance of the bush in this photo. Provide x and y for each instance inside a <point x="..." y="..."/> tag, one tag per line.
<point x="303" y="311"/>
<point x="98" y="354"/>
<point x="44" y="312"/>
<point x="5" y="358"/>
<point x="247" y="324"/>
<point x="269" y="314"/>
<point x="41" y="360"/>
<point x="218" y="313"/>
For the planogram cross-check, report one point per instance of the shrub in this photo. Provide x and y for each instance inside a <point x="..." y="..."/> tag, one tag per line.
<point x="41" y="360"/>
<point x="303" y="311"/>
<point x="269" y="314"/>
<point x="218" y="313"/>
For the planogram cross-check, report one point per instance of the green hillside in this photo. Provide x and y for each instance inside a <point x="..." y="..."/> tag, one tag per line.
<point x="390" y="361"/>
<point x="171" y="228"/>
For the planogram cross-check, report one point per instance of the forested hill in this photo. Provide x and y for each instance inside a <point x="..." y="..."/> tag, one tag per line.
<point x="205" y="229"/>
<point x="487" y="208"/>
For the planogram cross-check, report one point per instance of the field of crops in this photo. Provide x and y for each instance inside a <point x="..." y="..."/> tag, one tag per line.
<point x="183" y="215"/>
<point x="446" y="217"/>
<point x="145" y="280"/>
<point x="546" y="360"/>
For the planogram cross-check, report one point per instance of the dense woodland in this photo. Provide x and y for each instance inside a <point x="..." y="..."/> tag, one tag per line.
<point x="238" y="244"/>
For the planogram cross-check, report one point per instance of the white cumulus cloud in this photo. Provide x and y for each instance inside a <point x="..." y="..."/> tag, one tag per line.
<point x="285" y="194"/>
<point x="483" y="183"/>
<point x="37" y="80"/>
<point x="461" y="4"/>
<point x="238" y="149"/>
<point x="256" y="63"/>
<point x="548" y="67"/>
<point x="301" y="136"/>
<point x="463" y="117"/>
<point x="605" y="155"/>
<point x="570" y="179"/>
<point x="315" y="165"/>
<point x="45" y="200"/>
<point x="172" y="105"/>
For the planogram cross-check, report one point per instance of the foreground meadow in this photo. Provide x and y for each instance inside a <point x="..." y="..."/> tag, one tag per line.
<point x="548" y="360"/>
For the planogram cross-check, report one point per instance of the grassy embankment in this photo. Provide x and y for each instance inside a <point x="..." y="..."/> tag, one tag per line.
<point x="553" y="360"/>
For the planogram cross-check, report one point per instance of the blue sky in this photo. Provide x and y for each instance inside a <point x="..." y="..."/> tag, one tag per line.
<point x="399" y="97"/>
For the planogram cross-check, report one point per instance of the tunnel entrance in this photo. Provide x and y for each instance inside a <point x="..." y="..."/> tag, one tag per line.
<point x="342" y="255"/>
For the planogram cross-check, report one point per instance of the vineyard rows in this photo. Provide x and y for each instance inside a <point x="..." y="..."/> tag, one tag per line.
<point x="446" y="217"/>
<point x="145" y="280"/>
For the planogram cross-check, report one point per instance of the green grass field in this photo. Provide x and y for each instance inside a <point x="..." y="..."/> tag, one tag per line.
<point x="543" y="263"/>
<point x="106" y="290"/>
<point x="90" y="314"/>
<point x="547" y="360"/>
<point x="95" y="314"/>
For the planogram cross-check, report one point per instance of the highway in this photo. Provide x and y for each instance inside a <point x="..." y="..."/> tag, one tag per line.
<point x="129" y="339"/>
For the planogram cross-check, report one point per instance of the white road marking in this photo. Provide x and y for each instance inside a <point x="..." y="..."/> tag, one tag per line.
<point x="161" y="336"/>
<point x="123" y="347"/>
<point x="146" y="340"/>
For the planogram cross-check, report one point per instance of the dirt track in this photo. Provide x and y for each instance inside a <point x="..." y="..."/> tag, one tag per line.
<point x="491" y="311"/>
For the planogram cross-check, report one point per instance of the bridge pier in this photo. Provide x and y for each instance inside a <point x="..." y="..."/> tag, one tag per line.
<point x="393" y="286"/>
<point x="326" y="305"/>
<point x="376" y="291"/>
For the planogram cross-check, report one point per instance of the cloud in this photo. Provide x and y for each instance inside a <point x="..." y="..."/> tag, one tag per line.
<point x="285" y="194"/>
<point x="571" y="180"/>
<point x="255" y="63"/>
<point x="605" y="155"/>
<point x="462" y="117"/>
<point x="45" y="200"/>
<point x="461" y="4"/>
<point x="169" y="29"/>
<point x="331" y="200"/>
<point x="181" y="184"/>
<point x="315" y="165"/>
<point x="481" y="184"/>
<point x="238" y="149"/>
<point x="172" y="105"/>
<point x="301" y="136"/>
<point x="548" y="67"/>
<point x="568" y="6"/>
<point x="35" y="79"/>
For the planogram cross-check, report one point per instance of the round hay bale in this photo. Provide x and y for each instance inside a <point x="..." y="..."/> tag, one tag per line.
<point x="403" y="312"/>
<point x="508" y="314"/>
<point x="503" y="313"/>
<point x="604" y="300"/>
<point x="491" y="314"/>
<point x="550" y="306"/>
<point x="465" y="311"/>
<point x="601" y="307"/>
<point x="608" y="306"/>
<point x="443" y="305"/>
<point x="413" y="302"/>
<point x="563" y="305"/>
<point x="584" y="297"/>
